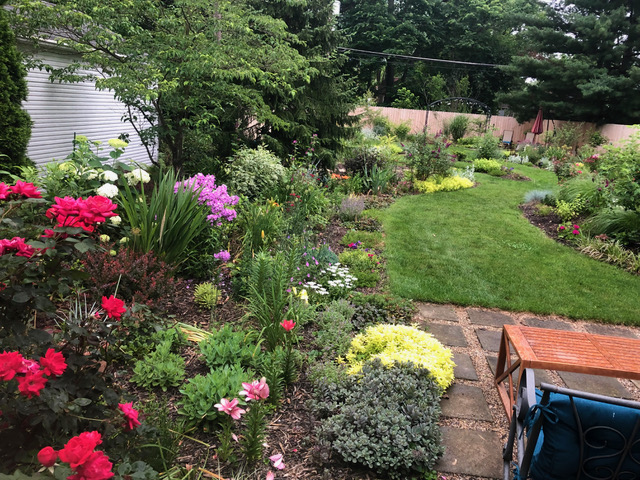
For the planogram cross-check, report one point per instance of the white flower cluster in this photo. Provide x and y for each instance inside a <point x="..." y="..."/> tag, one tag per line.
<point x="316" y="288"/>
<point x="108" y="190"/>
<point x="109" y="176"/>
<point x="136" y="176"/>
<point x="340" y="277"/>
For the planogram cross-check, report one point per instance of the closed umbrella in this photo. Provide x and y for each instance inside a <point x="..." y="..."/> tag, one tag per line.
<point x="537" y="125"/>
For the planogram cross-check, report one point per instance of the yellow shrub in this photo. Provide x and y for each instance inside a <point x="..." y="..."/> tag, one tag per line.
<point x="400" y="343"/>
<point x="447" y="184"/>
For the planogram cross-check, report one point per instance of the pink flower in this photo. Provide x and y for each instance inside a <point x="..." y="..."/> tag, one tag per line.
<point x="270" y="475"/>
<point x="277" y="461"/>
<point x="576" y="232"/>
<point x="230" y="408"/>
<point x="96" y="467"/>
<point x="5" y="190"/>
<point x="256" y="390"/>
<point x="577" y="227"/>
<point x="78" y="449"/>
<point x="25" y="189"/>
<point x="562" y="227"/>
<point x="130" y="415"/>
<point x="30" y="366"/>
<point x="288" y="325"/>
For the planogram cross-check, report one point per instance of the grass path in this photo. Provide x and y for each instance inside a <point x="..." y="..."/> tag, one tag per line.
<point x="474" y="247"/>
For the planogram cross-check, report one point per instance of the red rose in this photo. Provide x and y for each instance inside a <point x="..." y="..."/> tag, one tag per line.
<point x="10" y="364"/>
<point x="5" y="190"/>
<point x="97" y="209"/>
<point x="130" y="415"/>
<point x="78" y="450"/>
<point x="25" y="189"/>
<point x="113" y="306"/>
<point x="64" y="206"/>
<point x="32" y="383"/>
<point x="47" y="456"/>
<point x="53" y="363"/>
<point x="96" y="467"/>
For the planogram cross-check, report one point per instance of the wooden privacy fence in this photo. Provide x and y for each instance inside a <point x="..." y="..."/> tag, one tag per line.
<point x="435" y="122"/>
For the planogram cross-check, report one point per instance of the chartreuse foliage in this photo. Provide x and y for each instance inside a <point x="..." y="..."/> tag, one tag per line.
<point x="401" y="343"/>
<point x="447" y="184"/>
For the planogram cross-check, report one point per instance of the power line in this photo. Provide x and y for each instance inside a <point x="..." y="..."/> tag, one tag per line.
<point x="409" y="57"/>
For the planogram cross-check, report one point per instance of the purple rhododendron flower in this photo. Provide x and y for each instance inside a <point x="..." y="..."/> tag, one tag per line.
<point x="223" y="256"/>
<point x="214" y="196"/>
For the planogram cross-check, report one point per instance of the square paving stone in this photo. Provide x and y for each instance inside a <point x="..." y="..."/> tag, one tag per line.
<point x="451" y="335"/>
<point x="540" y="375"/>
<point x="464" y="367"/>
<point x="489" y="339"/>
<point x="610" y="330"/>
<point x="465" y="401"/>
<point x="471" y="452"/>
<point x="492" y="319"/>
<point x="547" y="323"/>
<point x="595" y="384"/>
<point x="437" y="312"/>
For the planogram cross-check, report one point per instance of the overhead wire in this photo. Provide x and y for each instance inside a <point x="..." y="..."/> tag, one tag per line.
<point x="385" y="56"/>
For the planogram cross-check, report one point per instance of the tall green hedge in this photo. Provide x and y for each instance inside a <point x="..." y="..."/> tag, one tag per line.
<point x="15" y="123"/>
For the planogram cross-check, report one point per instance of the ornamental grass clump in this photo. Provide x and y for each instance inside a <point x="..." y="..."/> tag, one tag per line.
<point x="400" y="343"/>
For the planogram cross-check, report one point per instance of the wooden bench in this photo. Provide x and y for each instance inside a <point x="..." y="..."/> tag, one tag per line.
<point x="570" y="434"/>
<point x="529" y="348"/>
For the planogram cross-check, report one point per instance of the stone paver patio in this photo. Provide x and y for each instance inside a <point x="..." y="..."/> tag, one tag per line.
<point x="473" y="422"/>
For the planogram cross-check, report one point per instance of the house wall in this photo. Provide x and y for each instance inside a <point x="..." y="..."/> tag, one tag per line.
<point x="60" y="110"/>
<point x="435" y="121"/>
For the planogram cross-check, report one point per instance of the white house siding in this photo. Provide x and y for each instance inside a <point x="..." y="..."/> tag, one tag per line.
<point x="60" y="110"/>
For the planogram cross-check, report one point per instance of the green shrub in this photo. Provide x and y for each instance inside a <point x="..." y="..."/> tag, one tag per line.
<point x="447" y="184"/>
<point x="366" y="315"/>
<point x="589" y="188"/>
<point x="334" y="327"/>
<point x="392" y="343"/>
<point x="457" y="128"/>
<point x="202" y="392"/>
<point x="488" y="147"/>
<point x="15" y="123"/>
<point x="567" y="211"/>
<point x="261" y="224"/>
<point x="159" y="369"/>
<point x="363" y="264"/>
<point x="492" y="167"/>
<point x="428" y="156"/>
<point x="226" y="347"/>
<point x="396" y="309"/>
<point x="376" y="180"/>
<point x="610" y="251"/>
<point x="255" y="173"/>
<point x="363" y="158"/>
<point x="385" y="418"/>
<point x="402" y="131"/>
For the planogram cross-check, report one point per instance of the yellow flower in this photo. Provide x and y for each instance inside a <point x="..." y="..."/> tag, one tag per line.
<point x="304" y="296"/>
<point x="105" y="238"/>
<point x="262" y="234"/>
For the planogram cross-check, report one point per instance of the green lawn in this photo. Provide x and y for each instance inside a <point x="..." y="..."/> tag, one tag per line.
<point x="474" y="247"/>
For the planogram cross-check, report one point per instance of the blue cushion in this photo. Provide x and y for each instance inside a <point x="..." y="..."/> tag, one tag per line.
<point x="557" y="452"/>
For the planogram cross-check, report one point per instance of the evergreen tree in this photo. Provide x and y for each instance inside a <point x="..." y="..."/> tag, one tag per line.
<point x="15" y="123"/>
<point x="323" y="103"/>
<point x="582" y="63"/>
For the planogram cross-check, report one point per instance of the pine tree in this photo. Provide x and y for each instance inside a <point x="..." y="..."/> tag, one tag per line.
<point x="582" y="63"/>
<point x="15" y="123"/>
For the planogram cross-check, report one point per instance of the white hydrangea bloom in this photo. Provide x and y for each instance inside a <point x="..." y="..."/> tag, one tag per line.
<point x="91" y="174"/>
<point x="109" y="176"/>
<point x="136" y="176"/>
<point x="116" y="220"/>
<point x="108" y="190"/>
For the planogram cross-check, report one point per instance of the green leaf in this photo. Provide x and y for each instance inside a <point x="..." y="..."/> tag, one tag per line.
<point x="82" y="402"/>
<point x="21" y="297"/>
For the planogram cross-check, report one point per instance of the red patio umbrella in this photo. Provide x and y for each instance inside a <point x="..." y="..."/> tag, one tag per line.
<point x="537" y="125"/>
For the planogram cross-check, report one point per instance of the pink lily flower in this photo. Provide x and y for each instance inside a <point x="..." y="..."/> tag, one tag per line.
<point x="277" y="461"/>
<point x="256" y="390"/>
<point x="230" y="408"/>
